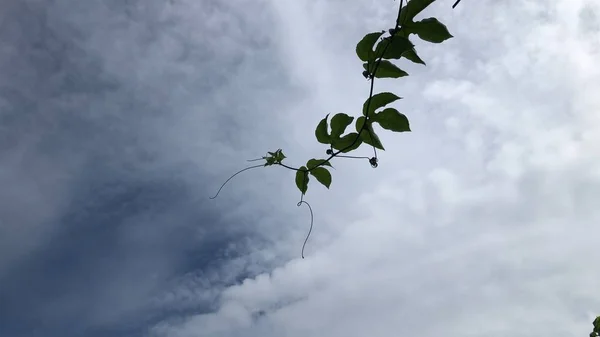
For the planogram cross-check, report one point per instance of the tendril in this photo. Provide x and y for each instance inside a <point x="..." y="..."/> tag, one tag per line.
<point x="235" y="174"/>
<point x="311" y="223"/>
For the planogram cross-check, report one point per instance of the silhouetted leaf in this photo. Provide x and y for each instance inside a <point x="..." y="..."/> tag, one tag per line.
<point x="396" y="48"/>
<point x="364" y="48"/>
<point x="322" y="175"/>
<point x="368" y="134"/>
<point x="412" y="9"/>
<point x="378" y="101"/>
<point x="339" y="122"/>
<point x="279" y="156"/>
<point x="386" y="69"/>
<point x="412" y="56"/>
<point x="347" y="140"/>
<point x="430" y="30"/>
<point x="270" y="161"/>
<point x="391" y="119"/>
<point x="315" y="162"/>
<point x="302" y="179"/>
<point x="321" y="132"/>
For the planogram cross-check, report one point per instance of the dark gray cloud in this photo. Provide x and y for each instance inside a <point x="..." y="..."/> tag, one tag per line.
<point x="116" y="117"/>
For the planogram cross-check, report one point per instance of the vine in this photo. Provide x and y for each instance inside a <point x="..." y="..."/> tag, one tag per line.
<point x="375" y="52"/>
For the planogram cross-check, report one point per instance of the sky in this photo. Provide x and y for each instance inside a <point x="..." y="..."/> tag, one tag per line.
<point x="119" y="119"/>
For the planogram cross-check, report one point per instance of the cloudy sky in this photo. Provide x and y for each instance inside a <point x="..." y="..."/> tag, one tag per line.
<point x="119" y="118"/>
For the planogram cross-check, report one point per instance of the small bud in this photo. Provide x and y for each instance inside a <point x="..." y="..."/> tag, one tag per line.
<point x="366" y="74"/>
<point x="329" y="151"/>
<point x="373" y="162"/>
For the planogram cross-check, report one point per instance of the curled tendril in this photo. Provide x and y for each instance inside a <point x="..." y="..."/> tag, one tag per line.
<point x="373" y="162"/>
<point x="235" y="174"/>
<point x="311" y="223"/>
<point x="329" y="151"/>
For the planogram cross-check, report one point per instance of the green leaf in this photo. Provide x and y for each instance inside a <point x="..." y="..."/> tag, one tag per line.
<point x="364" y="48"/>
<point x="322" y="175"/>
<point x="412" y="56"/>
<point x="379" y="101"/>
<point x="270" y="161"/>
<point x="370" y="137"/>
<point x="302" y="179"/>
<point x="368" y="134"/>
<point x="430" y="30"/>
<point x="339" y="123"/>
<point x="321" y="132"/>
<point x="347" y="140"/>
<point x="387" y="69"/>
<point x="279" y="156"/>
<point x="391" y="119"/>
<point x="412" y="9"/>
<point x="360" y="121"/>
<point x="316" y="162"/>
<point x="398" y="46"/>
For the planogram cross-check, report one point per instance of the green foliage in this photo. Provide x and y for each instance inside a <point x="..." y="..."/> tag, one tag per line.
<point x="385" y="69"/>
<point x="378" y="101"/>
<point x="339" y="123"/>
<point x="412" y="9"/>
<point x="394" y="48"/>
<point x="368" y="136"/>
<point x="412" y="56"/>
<point x="274" y="157"/>
<point x="364" y="49"/>
<point x="322" y="175"/>
<point x="321" y="132"/>
<point x="430" y="30"/>
<point x="376" y="50"/>
<point x="302" y="179"/>
<point x="347" y="143"/>
<point x="391" y="119"/>
<point x="317" y="162"/>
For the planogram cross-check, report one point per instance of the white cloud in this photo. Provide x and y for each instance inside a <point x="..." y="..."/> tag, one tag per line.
<point x="483" y="221"/>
